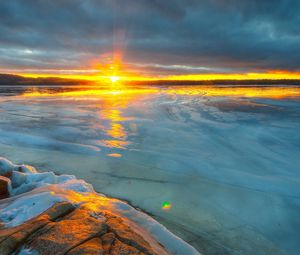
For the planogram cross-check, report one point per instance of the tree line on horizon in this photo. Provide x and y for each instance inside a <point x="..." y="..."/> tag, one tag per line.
<point x="10" y="79"/>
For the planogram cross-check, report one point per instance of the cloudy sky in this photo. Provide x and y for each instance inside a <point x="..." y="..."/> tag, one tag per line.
<point x="151" y="37"/>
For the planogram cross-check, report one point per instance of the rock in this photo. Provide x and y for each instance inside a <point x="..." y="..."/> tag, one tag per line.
<point x="120" y="248"/>
<point x="4" y="187"/>
<point x="124" y="232"/>
<point x="12" y="238"/>
<point x="107" y="241"/>
<point x="64" y="229"/>
<point x="93" y="246"/>
<point x="71" y="231"/>
<point x="8" y="175"/>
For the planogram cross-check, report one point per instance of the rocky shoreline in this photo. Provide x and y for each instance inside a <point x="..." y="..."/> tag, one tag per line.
<point x="46" y="214"/>
<point x="65" y="229"/>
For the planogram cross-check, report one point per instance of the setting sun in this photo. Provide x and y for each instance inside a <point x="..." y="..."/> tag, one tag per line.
<point x="114" y="78"/>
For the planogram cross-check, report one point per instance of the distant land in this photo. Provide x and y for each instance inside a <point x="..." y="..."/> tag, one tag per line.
<point x="10" y="79"/>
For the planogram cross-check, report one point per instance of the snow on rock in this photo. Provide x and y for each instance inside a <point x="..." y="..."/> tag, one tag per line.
<point x="27" y="252"/>
<point x="7" y="166"/>
<point x="25" y="178"/>
<point x="27" y="207"/>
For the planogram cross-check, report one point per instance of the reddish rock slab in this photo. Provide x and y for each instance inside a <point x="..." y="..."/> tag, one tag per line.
<point x="66" y="230"/>
<point x="91" y="247"/>
<point x="4" y="187"/>
<point x="120" y="248"/>
<point x="12" y="238"/>
<point x="124" y="231"/>
<point x="68" y="233"/>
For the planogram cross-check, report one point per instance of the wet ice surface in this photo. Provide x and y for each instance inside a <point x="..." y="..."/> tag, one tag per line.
<point x="221" y="171"/>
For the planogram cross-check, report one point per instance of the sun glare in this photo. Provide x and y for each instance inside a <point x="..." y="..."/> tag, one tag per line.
<point x="114" y="79"/>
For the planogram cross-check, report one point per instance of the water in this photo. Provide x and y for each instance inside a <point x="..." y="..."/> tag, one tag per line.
<point x="217" y="166"/>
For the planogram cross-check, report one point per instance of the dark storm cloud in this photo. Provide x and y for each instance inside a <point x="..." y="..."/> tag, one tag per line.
<point x="169" y="36"/>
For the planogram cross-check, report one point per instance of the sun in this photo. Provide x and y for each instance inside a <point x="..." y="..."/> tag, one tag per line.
<point x="114" y="79"/>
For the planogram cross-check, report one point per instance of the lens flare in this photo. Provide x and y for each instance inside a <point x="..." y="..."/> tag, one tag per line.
<point x="166" y="206"/>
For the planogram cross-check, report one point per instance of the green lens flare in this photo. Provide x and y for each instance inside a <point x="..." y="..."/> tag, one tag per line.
<point x="166" y="205"/>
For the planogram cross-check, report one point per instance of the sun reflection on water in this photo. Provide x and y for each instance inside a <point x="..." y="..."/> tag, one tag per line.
<point x="113" y="103"/>
<point x="251" y="92"/>
<point x="123" y="94"/>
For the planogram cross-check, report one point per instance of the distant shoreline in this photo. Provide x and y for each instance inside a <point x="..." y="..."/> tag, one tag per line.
<point x="18" y="80"/>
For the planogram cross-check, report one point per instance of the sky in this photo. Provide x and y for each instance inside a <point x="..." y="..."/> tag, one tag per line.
<point x="151" y="38"/>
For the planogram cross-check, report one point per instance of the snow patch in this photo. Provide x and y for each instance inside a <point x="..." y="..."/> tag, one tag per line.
<point x="27" y="252"/>
<point x="27" y="207"/>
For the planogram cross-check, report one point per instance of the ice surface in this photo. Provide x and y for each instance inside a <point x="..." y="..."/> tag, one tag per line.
<point x="227" y="165"/>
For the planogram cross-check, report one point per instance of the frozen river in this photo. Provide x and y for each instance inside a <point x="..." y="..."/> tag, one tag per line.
<point x="220" y="167"/>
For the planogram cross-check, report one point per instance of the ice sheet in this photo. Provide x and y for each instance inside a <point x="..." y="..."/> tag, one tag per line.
<point x="221" y="171"/>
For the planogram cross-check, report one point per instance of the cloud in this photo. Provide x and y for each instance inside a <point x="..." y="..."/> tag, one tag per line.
<point x="216" y="35"/>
